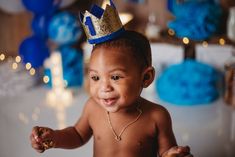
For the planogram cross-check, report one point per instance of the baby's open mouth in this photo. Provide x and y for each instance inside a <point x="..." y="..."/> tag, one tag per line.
<point x="109" y="101"/>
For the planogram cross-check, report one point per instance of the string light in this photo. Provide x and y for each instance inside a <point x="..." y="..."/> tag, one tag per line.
<point x="32" y="71"/>
<point x="205" y="44"/>
<point x="185" y="40"/>
<point x="14" y="66"/>
<point x="221" y="41"/>
<point x="2" y="57"/>
<point x="23" y="118"/>
<point x="18" y="59"/>
<point x="46" y="79"/>
<point x="34" y="116"/>
<point x="28" y="66"/>
<point x="171" y="32"/>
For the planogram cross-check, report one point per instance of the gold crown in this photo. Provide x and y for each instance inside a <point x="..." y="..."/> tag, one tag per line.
<point x="100" y="24"/>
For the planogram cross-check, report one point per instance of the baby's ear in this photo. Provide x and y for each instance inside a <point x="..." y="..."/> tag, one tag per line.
<point x="148" y="76"/>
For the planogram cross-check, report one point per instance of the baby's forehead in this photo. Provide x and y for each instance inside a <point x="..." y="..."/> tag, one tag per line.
<point x="116" y="55"/>
<point x="122" y="50"/>
<point x="131" y="50"/>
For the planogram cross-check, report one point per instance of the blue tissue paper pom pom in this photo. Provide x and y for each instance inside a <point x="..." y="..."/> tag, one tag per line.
<point x="189" y="83"/>
<point x="197" y="20"/>
<point x="64" y="28"/>
<point x="34" y="50"/>
<point x="72" y="64"/>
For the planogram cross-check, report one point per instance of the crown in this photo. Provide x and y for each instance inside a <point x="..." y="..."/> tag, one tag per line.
<point x="100" y="24"/>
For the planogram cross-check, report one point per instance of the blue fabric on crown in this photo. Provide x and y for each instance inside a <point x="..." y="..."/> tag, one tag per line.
<point x="97" y="11"/>
<point x="108" y="37"/>
<point x="112" y="4"/>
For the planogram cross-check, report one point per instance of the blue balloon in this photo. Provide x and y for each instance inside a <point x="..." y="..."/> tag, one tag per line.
<point x="72" y="63"/>
<point x="40" y="25"/>
<point x="34" y="50"/>
<point x="64" y="28"/>
<point x="39" y="6"/>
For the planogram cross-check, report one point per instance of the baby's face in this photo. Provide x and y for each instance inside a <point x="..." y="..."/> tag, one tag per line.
<point x="115" y="79"/>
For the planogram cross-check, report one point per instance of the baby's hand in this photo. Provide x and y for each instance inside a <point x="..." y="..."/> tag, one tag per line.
<point x="178" y="151"/>
<point x="42" y="138"/>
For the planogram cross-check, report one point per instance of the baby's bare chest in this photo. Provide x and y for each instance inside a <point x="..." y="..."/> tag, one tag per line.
<point x="136" y="139"/>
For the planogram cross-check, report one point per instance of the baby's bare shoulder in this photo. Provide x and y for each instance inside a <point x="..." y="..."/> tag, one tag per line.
<point x="89" y="106"/>
<point x="156" y="111"/>
<point x="153" y="107"/>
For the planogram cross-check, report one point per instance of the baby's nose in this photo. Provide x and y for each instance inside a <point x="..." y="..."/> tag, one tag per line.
<point x="106" y="86"/>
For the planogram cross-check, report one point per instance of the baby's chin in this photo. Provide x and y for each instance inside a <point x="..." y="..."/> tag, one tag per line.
<point x="112" y="109"/>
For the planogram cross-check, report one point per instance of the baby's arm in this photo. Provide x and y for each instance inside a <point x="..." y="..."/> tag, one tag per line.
<point x="167" y="146"/>
<point x="43" y="138"/>
<point x="166" y="138"/>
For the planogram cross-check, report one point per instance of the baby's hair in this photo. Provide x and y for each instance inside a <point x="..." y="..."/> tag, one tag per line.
<point x="134" y="42"/>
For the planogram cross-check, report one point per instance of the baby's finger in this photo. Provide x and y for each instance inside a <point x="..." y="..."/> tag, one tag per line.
<point x="46" y="134"/>
<point x="32" y="139"/>
<point x="47" y="138"/>
<point x="186" y="149"/>
<point x="35" y="133"/>
<point x="183" y="149"/>
<point x="174" y="149"/>
<point x="40" y="150"/>
<point x="35" y="130"/>
<point x="189" y="155"/>
<point x="172" y="152"/>
<point x="38" y="147"/>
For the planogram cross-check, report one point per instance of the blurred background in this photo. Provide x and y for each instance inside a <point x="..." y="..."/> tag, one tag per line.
<point x="44" y="57"/>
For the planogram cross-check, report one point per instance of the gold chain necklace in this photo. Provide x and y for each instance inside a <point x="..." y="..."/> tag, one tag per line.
<point x="118" y="137"/>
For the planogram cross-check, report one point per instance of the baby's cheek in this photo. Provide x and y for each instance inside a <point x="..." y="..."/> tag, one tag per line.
<point x="130" y="94"/>
<point x="134" y="89"/>
<point x="93" y="92"/>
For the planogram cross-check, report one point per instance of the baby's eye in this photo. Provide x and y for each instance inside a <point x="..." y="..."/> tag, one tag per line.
<point x="115" y="77"/>
<point x="95" y="78"/>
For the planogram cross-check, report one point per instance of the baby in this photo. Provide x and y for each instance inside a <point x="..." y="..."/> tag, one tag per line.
<point x="122" y="123"/>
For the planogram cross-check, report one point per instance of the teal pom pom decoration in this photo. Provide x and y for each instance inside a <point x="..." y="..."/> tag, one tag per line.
<point x="197" y="20"/>
<point x="189" y="83"/>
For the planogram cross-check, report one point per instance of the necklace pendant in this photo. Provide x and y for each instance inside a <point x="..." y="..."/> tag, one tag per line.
<point x="118" y="138"/>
